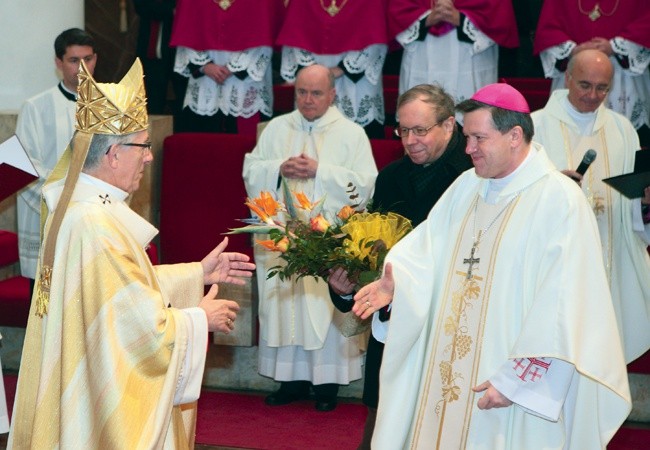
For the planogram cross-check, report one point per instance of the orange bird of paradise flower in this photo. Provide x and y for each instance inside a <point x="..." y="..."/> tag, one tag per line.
<point x="281" y="246"/>
<point x="265" y="206"/>
<point x="303" y="201"/>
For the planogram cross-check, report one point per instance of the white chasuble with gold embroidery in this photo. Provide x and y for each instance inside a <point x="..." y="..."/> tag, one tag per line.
<point x="447" y="399"/>
<point x="601" y="197"/>
<point x="536" y="289"/>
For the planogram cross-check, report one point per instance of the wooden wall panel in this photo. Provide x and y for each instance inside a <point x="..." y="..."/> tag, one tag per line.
<point x="115" y="48"/>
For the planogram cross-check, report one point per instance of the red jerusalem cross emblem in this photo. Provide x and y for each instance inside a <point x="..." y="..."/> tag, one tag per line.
<point x="531" y="369"/>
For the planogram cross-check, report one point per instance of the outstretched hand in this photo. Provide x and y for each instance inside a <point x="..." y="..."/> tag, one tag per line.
<point x="375" y="295"/>
<point x="221" y="313"/>
<point x="229" y="267"/>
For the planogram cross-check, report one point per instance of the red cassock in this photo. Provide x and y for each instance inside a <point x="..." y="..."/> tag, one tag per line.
<point x="352" y="25"/>
<point x="495" y="18"/>
<point x="562" y="21"/>
<point x="206" y="25"/>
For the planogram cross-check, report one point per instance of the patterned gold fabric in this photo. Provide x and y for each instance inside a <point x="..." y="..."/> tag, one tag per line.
<point x="107" y="108"/>
<point x="100" y="370"/>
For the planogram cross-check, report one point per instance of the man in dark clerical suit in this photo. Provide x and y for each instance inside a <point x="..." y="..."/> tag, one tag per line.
<point x="410" y="186"/>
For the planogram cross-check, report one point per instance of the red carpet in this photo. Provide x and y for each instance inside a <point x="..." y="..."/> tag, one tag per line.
<point x="630" y="437"/>
<point x="243" y="420"/>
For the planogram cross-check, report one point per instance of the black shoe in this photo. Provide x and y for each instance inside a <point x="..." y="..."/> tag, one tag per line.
<point x="325" y="406"/>
<point x="282" y="398"/>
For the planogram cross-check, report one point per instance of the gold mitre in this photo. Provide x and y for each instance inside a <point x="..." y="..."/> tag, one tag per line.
<point x="109" y="108"/>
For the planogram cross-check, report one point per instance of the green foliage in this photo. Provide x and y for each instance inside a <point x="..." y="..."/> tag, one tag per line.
<point x="310" y="253"/>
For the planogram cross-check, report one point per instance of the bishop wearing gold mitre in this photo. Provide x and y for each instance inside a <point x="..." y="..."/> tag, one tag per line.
<point x="115" y="347"/>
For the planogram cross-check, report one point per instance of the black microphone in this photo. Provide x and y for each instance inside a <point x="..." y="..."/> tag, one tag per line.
<point x="589" y="157"/>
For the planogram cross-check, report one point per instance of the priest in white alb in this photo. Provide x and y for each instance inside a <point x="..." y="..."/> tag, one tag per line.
<point x="319" y="152"/>
<point x="502" y="333"/>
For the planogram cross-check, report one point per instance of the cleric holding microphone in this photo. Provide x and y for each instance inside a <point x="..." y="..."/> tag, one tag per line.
<point x="574" y="121"/>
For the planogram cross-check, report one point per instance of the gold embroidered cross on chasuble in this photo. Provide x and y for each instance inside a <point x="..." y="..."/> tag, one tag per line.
<point x="447" y="401"/>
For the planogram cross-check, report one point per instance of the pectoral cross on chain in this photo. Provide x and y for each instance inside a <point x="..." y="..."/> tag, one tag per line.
<point x="471" y="260"/>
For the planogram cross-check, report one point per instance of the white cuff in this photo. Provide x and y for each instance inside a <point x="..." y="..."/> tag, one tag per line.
<point x="188" y="388"/>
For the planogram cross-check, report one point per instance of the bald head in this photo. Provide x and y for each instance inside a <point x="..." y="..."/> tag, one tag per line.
<point x="588" y="78"/>
<point x="314" y="91"/>
<point x="316" y="72"/>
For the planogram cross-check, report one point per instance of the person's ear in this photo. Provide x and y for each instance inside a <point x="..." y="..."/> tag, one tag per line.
<point x="448" y="124"/>
<point x="112" y="156"/>
<point x="516" y="136"/>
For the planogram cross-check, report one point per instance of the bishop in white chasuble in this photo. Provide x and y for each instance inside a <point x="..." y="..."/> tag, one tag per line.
<point x="530" y="294"/>
<point x="503" y="280"/>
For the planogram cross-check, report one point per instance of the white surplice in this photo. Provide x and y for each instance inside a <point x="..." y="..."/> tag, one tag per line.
<point x="45" y="125"/>
<point x="461" y="68"/>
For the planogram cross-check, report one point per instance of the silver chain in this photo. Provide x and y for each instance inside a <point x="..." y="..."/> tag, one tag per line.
<point x="482" y="232"/>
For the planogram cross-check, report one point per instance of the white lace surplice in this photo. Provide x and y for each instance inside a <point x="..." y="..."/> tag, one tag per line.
<point x="235" y="97"/>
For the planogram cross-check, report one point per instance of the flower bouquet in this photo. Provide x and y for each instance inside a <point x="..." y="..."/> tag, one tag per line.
<point x="311" y="245"/>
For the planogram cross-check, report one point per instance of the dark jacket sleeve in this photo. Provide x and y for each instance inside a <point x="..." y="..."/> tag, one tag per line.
<point x="340" y="303"/>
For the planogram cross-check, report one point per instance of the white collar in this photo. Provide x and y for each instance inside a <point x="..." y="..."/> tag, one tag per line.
<point x="584" y="121"/>
<point x="93" y="190"/>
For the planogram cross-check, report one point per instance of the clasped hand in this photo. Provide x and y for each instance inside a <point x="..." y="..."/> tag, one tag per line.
<point x="302" y="167"/>
<point x="218" y="73"/>
<point x="444" y="11"/>
<point x="595" y="43"/>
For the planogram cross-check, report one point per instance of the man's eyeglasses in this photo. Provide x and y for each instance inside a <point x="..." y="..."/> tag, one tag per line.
<point x="146" y="146"/>
<point x="403" y="132"/>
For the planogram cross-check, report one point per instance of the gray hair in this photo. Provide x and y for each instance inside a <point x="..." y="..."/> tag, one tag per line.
<point x="99" y="146"/>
